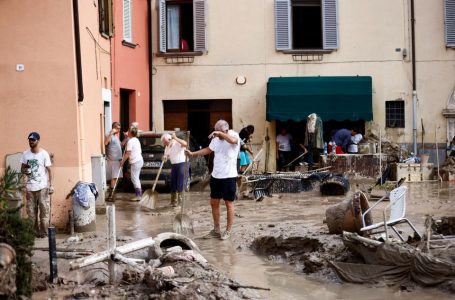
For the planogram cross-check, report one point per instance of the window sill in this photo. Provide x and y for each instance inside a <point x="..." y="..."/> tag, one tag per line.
<point x="179" y="54"/>
<point x="128" y="44"/>
<point x="309" y="51"/>
<point x="105" y="35"/>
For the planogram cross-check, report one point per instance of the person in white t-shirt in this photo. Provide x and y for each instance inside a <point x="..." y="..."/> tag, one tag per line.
<point x="283" y="148"/>
<point x="36" y="164"/>
<point x="175" y="151"/>
<point x="225" y="144"/>
<point x="134" y="154"/>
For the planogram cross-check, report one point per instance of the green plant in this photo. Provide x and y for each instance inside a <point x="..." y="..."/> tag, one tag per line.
<point x="16" y="231"/>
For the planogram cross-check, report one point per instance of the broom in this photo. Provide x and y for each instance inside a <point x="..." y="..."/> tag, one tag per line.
<point x="183" y="224"/>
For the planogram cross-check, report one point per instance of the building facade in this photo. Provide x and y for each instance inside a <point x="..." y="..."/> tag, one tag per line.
<point x="215" y="59"/>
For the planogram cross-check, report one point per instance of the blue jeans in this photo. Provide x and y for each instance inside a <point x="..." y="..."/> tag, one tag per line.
<point x="177" y="174"/>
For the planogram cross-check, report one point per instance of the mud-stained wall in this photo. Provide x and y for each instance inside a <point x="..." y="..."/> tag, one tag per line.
<point x="374" y="40"/>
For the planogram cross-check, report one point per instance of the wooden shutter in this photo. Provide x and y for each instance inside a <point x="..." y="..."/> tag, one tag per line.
<point x="330" y="24"/>
<point x="282" y="24"/>
<point x="449" y="16"/>
<point x="162" y="21"/>
<point x="200" y="25"/>
<point x="127" y="21"/>
<point x="110" y="15"/>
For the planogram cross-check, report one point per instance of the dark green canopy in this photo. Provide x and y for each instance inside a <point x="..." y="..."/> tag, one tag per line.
<point x="332" y="98"/>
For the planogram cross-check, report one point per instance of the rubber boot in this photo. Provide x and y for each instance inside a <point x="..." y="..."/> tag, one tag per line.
<point x="180" y="198"/>
<point x="138" y="194"/>
<point x="174" y="199"/>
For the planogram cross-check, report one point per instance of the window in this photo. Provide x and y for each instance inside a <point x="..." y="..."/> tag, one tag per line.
<point x="449" y="18"/>
<point x="127" y="21"/>
<point x="306" y="24"/>
<point x="394" y="114"/>
<point x="105" y="17"/>
<point x="182" y="25"/>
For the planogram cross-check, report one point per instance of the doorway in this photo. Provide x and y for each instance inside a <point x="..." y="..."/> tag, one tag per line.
<point x="125" y="108"/>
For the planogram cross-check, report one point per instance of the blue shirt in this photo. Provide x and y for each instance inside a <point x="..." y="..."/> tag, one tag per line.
<point x="342" y="138"/>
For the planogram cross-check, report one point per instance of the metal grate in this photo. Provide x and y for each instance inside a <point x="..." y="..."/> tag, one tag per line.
<point x="307" y="57"/>
<point x="394" y="114"/>
<point x="179" y="60"/>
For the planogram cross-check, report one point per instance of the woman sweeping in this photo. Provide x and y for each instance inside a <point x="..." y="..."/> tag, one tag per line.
<point x="134" y="154"/>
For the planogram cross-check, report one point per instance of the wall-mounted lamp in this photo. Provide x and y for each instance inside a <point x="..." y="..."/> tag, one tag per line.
<point x="240" y="80"/>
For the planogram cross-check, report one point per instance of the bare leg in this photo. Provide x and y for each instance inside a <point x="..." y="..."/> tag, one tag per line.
<point x="215" y="203"/>
<point x="230" y="214"/>
<point x="113" y="181"/>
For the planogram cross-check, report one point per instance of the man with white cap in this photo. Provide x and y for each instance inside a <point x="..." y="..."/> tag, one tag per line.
<point x="36" y="164"/>
<point x="225" y="144"/>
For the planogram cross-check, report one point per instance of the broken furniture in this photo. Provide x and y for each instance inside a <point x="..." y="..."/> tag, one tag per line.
<point x="396" y="210"/>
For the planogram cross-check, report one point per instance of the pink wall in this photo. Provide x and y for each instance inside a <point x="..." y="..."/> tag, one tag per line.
<point x="131" y="67"/>
<point x="43" y="97"/>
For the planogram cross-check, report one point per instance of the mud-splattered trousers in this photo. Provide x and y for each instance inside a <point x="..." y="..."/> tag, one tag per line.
<point x="38" y="202"/>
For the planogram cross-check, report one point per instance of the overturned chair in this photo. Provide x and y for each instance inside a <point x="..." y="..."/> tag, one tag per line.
<point x="396" y="210"/>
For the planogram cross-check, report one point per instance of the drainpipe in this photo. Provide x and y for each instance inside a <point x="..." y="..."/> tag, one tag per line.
<point x="414" y="81"/>
<point x="80" y="87"/>
<point x="150" y="53"/>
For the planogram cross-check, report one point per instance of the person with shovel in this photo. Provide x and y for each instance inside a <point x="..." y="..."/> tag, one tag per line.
<point x="113" y="155"/>
<point x="175" y="151"/>
<point x="36" y="164"/>
<point x="133" y="153"/>
<point x="225" y="144"/>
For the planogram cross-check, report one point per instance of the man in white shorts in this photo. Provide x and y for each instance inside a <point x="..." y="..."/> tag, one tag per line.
<point x="113" y="155"/>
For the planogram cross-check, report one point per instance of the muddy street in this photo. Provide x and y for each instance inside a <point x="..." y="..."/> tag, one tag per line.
<point x="280" y="243"/>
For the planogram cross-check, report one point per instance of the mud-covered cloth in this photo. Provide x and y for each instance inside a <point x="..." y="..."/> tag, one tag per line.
<point x="395" y="264"/>
<point x="80" y="193"/>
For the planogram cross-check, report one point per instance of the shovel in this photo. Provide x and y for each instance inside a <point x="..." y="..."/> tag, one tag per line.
<point x="183" y="224"/>
<point x="149" y="197"/>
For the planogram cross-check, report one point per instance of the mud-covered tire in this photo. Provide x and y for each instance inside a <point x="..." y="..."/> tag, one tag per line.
<point x="170" y="239"/>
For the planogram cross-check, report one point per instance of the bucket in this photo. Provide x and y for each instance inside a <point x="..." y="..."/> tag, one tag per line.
<point x="84" y="218"/>
<point x="424" y="158"/>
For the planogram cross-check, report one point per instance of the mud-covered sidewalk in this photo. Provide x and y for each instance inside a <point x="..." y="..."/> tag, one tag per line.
<point x="280" y="243"/>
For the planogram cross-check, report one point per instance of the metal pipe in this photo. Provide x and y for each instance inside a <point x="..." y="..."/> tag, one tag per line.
<point x="150" y="52"/>
<point x="53" y="272"/>
<point x="112" y="241"/>
<point x="414" y="81"/>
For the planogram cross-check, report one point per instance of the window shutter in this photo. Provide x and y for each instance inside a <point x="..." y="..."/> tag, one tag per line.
<point x="330" y="24"/>
<point x="162" y="20"/>
<point x="282" y="24"/>
<point x="449" y="15"/>
<point x="111" y="17"/>
<point x="127" y="20"/>
<point x="200" y="25"/>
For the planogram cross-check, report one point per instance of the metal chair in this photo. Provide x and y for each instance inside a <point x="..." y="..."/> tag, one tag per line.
<point x="396" y="210"/>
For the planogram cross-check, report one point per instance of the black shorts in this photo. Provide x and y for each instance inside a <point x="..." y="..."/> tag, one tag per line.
<point x="223" y="188"/>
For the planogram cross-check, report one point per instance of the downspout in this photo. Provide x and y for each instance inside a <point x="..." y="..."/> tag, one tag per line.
<point x="80" y="87"/>
<point x="414" y="81"/>
<point x="150" y="54"/>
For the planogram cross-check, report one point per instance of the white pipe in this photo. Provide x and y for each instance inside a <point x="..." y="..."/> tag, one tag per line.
<point x="380" y="154"/>
<point x="414" y="120"/>
<point x="89" y="260"/>
<point x="137" y="245"/>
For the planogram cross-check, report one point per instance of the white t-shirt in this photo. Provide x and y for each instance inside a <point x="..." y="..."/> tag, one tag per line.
<point x="38" y="179"/>
<point x="225" y="161"/>
<point x="284" y="142"/>
<point x="175" y="152"/>
<point x="134" y="146"/>
<point x="355" y="139"/>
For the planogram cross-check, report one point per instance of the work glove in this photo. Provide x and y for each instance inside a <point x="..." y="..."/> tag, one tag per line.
<point x="50" y="189"/>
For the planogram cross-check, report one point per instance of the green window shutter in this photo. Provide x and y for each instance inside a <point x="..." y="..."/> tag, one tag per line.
<point x="282" y="24"/>
<point x="162" y="21"/>
<point x="449" y="18"/>
<point x="200" y="25"/>
<point x="330" y="24"/>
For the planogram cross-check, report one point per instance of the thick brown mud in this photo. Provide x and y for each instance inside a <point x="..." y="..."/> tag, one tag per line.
<point x="280" y="243"/>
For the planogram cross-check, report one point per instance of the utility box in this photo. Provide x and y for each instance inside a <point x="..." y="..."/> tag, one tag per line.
<point x="99" y="178"/>
<point x="412" y="172"/>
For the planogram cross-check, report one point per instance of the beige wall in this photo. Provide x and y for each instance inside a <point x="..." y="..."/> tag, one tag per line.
<point x="43" y="97"/>
<point x="241" y="41"/>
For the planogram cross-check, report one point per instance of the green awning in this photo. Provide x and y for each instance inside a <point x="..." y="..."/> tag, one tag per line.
<point x="332" y="98"/>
